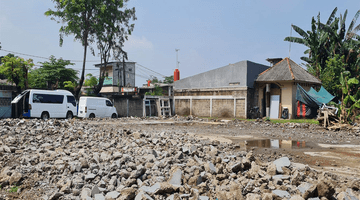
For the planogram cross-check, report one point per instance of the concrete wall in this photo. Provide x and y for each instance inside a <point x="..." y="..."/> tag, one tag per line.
<point x="226" y="103"/>
<point x="128" y="106"/>
<point x="240" y="74"/>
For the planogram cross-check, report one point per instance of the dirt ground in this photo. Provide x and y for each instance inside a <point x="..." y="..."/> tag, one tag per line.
<point x="333" y="151"/>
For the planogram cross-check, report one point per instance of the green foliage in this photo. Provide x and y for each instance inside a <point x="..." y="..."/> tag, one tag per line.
<point x="90" y="80"/>
<point x="52" y="74"/>
<point x="14" y="189"/>
<point x="156" y="92"/>
<point x="169" y="79"/>
<point x="15" y="69"/>
<point x="333" y="56"/>
<point x="70" y="85"/>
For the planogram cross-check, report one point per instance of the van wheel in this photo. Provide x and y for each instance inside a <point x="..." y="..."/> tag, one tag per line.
<point x="45" y="116"/>
<point x="69" y="115"/>
<point x="113" y="115"/>
<point x="92" y="115"/>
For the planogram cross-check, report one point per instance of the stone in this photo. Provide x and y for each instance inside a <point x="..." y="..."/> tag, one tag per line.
<point x="15" y="178"/>
<point x="325" y="189"/>
<point x="310" y="192"/>
<point x="56" y="196"/>
<point x="175" y="177"/>
<point x="95" y="190"/>
<point x="112" y="195"/>
<point x="127" y="194"/>
<point x="90" y="177"/>
<point x="143" y="196"/>
<point x="209" y="167"/>
<point x="99" y="197"/>
<point x="85" y="192"/>
<point x="280" y="163"/>
<point x="271" y="169"/>
<point x="296" y="197"/>
<point x="281" y="194"/>
<point x="253" y="196"/>
<point x="84" y="163"/>
<point x="236" y="167"/>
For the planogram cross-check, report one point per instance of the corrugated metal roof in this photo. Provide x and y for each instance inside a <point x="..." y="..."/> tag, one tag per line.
<point x="287" y="70"/>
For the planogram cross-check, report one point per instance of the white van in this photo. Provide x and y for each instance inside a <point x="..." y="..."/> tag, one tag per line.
<point x="96" y="107"/>
<point x="44" y="104"/>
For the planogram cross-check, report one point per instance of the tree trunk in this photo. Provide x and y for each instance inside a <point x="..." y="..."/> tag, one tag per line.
<point x="77" y="89"/>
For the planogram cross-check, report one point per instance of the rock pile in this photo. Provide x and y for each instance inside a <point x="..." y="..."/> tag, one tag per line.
<point x="58" y="159"/>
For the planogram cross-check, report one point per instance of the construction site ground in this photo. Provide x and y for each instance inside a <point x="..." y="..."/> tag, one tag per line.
<point x="337" y="152"/>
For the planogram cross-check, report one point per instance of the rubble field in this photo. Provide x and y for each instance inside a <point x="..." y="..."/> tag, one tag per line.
<point x="179" y="158"/>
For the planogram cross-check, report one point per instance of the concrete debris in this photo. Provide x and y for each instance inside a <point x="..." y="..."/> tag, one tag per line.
<point x="77" y="159"/>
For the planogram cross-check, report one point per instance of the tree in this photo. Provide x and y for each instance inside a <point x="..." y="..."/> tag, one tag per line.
<point x="52" y="74"/>
<point x="334" y="57"/>
<point x="169" y="79"/>
<point x="90" y="81"/>
<point x="111" y="34"/>
<point x="15" y="69"/>
<point x="83" y="18"/>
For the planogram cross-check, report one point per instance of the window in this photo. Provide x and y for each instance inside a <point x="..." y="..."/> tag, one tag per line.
<point x="48" y="98"/>
<point x="71" y="99"/>
<point x="108" y="103"/>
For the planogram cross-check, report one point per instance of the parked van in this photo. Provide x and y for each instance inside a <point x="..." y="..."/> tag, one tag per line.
<point x="96" y="107"/>
<point x="44" y="104"/>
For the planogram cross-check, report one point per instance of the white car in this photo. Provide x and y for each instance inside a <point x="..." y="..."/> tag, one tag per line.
<point x="44" y="104"/>
<point x="91" y="107"/>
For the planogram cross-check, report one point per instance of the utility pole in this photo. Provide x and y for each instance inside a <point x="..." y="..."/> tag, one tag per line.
<point x="177" y="62"/>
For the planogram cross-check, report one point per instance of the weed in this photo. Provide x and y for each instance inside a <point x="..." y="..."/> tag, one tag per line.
<point x="14" y="189"/>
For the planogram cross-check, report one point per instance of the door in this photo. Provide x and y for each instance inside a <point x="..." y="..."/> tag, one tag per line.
<point x="71" y="105"/>
<point x="274" y="106"/>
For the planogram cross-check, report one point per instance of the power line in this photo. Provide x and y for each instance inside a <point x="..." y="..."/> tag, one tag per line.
<point x="24" y="54"/>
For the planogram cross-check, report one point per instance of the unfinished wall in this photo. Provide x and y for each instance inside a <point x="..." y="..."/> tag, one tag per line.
<point x="201" y="107"/>
<point x="127" y="107"/>
<point x="182" y="106"/>
<point x="223" y="108"/>
<point x="240" y="108"/>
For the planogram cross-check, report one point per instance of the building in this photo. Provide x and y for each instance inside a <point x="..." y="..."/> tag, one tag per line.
<point x="117" y="76"/>
<point x="276" y="87"/>
<point x="224" y="92"/>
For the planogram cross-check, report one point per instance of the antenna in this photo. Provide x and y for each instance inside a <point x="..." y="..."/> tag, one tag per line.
<point x="177" y="62"/>
<point x="290" y="40"/>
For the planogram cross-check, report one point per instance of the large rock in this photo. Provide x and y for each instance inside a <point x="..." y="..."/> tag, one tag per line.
<point x="325" y="189"/>
<point x="280" y="163"/>
<point x="175" y="177"/>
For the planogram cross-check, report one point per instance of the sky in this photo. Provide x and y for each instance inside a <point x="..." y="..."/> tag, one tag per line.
<point x="209" y="34"/>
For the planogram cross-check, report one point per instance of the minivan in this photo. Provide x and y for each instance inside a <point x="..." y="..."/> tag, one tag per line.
<point x="44" y="104"/>
<point x="91" y="107"/>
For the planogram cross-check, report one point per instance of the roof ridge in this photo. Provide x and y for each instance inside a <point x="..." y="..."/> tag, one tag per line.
<point x="307" y="72"/>
<point x="292" y="74"/>
<point x="271" y="67"/>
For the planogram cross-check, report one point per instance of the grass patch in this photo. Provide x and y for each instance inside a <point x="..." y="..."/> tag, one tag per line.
<point x="14" y="189"/>
<point x="309" y="121"/>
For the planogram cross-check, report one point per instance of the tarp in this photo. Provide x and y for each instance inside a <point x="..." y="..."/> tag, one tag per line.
<point x="322" y="96"/>
<point x="312" y="98"/>
<point x="307" y="99"/>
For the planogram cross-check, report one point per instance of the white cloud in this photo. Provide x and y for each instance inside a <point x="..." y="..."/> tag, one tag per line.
<point x="138" y="43"/>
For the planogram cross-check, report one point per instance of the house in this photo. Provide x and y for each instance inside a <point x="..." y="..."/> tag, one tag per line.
<point x="276" y="87"/>
<point x="117" y="76"/>
<point x="228" y="91"/>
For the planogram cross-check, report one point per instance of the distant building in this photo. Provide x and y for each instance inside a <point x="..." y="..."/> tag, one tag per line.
<point x="228" y="91"/>
<point x="117" y="76"/>
<point x="276" y="87"/>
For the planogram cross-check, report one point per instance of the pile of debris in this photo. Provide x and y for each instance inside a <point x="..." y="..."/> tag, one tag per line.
<point x="59" y="159"/>
<point x="327" y="117"/>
